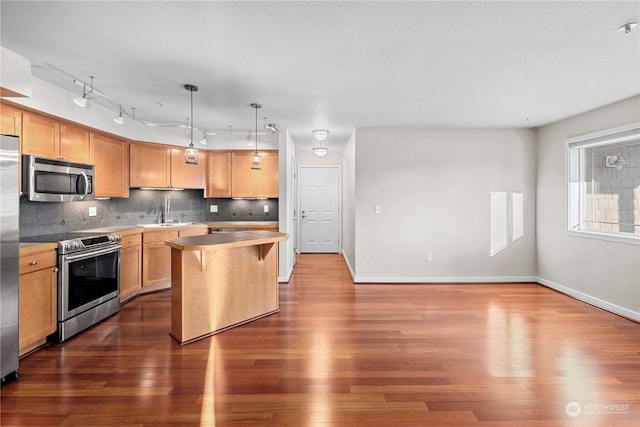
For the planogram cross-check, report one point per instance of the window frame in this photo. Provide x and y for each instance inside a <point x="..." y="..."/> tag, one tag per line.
<point x="574" y="153"/>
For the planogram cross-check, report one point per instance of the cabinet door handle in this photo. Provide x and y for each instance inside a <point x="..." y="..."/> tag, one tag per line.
<point x="34" y="262"/>
<point x="55" y="269"/>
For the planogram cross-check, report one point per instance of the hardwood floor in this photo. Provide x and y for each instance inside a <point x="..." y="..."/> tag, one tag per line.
<point x="345" y="355"/>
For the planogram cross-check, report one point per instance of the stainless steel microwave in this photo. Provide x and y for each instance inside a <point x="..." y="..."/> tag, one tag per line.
<point x="49" y="180"/>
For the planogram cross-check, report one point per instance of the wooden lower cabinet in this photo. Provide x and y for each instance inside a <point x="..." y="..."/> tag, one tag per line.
<point x="130" y="266"/>
<point x="156" y="256"/>
<point x="156" y="260"/>
<point x="192" y="231"/>
<point x="37" y="317"/>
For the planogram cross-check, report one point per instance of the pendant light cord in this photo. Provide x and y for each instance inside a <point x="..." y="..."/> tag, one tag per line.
<point x="256" y="108"/>
<point x="191" y="118"/>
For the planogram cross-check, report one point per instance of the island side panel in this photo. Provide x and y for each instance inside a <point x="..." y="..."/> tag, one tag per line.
<point x="222" y="288"/>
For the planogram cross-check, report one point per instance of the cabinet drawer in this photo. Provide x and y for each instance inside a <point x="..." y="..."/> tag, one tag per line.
<point x="38" y="261"/>
<point x="131" y="240"/>
<point x="159" y="236"/>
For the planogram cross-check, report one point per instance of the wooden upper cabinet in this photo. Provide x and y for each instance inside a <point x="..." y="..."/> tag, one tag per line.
<point x="74" y="144"/>
<point x="40" y="136"/>
<point x="10" y="120"/>
<point x="149" y="165"/>
<point x="218" y="174"/>
<point x="247" y="182"/>
<point x="185" y="175"/>
<point x="266" y="180"/>
<point x="242" y="174"/>
<point x="109" y="155"/>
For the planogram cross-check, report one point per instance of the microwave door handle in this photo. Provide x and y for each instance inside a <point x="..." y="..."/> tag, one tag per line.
<point x="86" y="185"/>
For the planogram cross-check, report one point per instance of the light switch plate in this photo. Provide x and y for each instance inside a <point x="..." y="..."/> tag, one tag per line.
<point x="266" y="208"/>
<point x="213" y="208"/>
<point x="93" y="211"/>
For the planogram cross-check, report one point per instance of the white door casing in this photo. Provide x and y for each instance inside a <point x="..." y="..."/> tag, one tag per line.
<point x="319" y="209"/>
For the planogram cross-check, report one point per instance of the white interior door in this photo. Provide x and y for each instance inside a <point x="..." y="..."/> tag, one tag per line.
<point x="319" y="209"/>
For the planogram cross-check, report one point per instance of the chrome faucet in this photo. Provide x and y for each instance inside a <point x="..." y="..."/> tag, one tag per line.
<point x="166" y="209"/>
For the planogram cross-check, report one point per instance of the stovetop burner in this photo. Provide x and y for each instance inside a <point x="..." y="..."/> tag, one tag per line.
<point x="75" y="241"/>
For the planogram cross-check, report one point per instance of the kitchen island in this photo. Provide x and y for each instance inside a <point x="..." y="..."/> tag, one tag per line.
<point x="219" y="281"/>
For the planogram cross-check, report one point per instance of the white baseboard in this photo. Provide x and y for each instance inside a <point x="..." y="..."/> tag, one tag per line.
<point x="597" y="302"/>
<point x="287" y="277"/>
<point x="346" y="261"/>
<point x="457" y="279"/>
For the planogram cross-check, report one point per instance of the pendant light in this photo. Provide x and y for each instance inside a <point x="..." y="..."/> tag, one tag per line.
<point x="191" y="153"/>
<point x="256" y="160"/>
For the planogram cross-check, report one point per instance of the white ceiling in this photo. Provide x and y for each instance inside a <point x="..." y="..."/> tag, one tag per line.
<point x="337" y="65"/>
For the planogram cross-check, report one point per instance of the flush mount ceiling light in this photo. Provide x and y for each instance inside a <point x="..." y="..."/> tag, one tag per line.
<point x="626" y="28"/>
<point x="81" y="101"/>
<point x="320" y="150"/>
<point x="256" y="160"/>
<point x="191" y="153"/>
<point x="119" y="119"/>
<point x="320" y="134"/>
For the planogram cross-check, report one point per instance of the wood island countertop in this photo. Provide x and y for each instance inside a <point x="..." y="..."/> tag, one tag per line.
<point x="217" y="241"/>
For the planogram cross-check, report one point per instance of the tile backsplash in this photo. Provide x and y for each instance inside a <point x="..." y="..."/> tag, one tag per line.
<point x="142" y="207"/>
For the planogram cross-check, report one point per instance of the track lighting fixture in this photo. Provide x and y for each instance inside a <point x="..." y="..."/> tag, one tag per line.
<point x="256" y="160"/>
<point x="628" y="27"/>
<point x="119" y="119"/>
<point x="81" y="101"/>
<point x="203" y="141"/>
<point x="191" y="153"/>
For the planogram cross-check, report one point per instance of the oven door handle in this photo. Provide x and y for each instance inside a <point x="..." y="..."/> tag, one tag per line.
<point x="86" y="185"/>
<point x="92" y="254"/>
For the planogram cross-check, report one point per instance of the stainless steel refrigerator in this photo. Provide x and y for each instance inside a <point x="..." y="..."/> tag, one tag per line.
<point x="9" y="252"/>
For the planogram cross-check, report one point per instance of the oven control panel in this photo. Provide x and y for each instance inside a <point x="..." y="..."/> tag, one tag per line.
<point x="89" y="243"/>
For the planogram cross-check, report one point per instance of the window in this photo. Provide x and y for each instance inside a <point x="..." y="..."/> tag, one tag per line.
<point x="604" y="184"/>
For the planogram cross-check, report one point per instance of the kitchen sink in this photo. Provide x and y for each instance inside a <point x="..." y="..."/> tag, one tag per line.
<point x="167" y="224"/>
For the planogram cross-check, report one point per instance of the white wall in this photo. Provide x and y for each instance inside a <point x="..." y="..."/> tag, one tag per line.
<point x="349" y="203"/>
<point x="286" y="206"/>
<point x="433" y="187"/>
<point x="603" y="273"/>
<point x="307" y="158"/>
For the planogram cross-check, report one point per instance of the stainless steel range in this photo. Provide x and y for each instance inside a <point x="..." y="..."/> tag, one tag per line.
<point x="88" y="279"/>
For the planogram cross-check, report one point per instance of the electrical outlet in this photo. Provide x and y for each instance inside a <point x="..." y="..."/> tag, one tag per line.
<point x="376" y="209"/>
<point x="93" y="211"/>
<point x="429" y="257"/>
<point x="266" y="208"/>
<point x="213" y="208"/>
